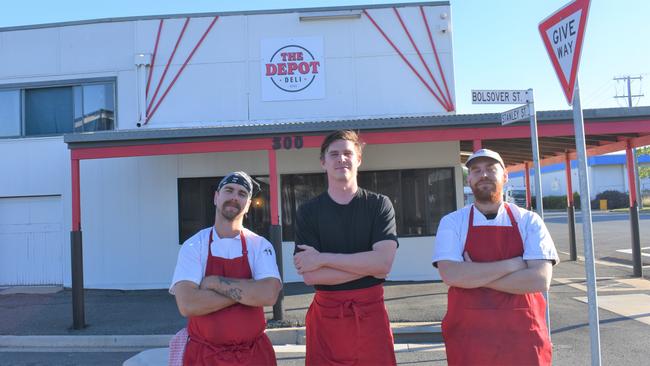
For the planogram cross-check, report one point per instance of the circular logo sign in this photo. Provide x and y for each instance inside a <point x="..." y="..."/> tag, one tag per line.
<point x="292" y="68"/>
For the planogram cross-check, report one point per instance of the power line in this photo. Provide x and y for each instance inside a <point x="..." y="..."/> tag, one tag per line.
<point x="596" y="96"/>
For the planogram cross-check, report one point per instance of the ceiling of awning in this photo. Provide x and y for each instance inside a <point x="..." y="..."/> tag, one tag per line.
<point x="519" y="150"/>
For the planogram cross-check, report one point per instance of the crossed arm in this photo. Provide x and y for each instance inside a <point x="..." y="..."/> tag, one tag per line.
<point x="333" y="268"/>
<point x="216" y="293"/>
<point x="513" y="275"/>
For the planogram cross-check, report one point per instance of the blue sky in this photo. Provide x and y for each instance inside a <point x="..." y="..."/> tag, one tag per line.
<point x="496" y="42"/>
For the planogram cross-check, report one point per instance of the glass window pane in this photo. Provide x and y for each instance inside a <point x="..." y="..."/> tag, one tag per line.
<point x="412" y="197"/>
<point x="258" y="218"/>
<point x="296" y="190"/>
<point x="10" y="113"/>
<point x="48" y="111"/>
<point x="441" y="198"/>
<point x="386" y="183"/>
<point x="427" y="195"/>
<point x="98" y="107"/>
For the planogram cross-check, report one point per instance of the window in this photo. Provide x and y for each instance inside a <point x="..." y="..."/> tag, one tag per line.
<point x="48" y="111"/>
<point x="196" y="207"/>
<point x="427" y="195"/>
<point x="94" y="107"/>
<point x="296" y="190"/>
<point x="9" y="113"/>
<point x="59" y="109"/>
<point x="421" y="197"/>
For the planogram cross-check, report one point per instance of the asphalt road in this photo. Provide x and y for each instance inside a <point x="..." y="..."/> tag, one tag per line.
<point x="64" y="358"/>
<point x="611" y="236"/>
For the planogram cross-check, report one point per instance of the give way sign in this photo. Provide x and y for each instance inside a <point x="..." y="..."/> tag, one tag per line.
<point x="562" y="33"/>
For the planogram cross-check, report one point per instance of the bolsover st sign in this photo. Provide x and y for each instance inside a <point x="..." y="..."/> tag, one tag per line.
<point x="292" y="69"/>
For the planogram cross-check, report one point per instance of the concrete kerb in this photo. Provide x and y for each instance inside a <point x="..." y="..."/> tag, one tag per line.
<point x="403" y="333"/>
<point x="160" y="356"/>
<point x="85" y="341"/>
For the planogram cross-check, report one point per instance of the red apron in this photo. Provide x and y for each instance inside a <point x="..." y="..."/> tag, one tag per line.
<point x="349" y="327"/>
<point x="489" y="327"/>
<point x="234" y="335"/>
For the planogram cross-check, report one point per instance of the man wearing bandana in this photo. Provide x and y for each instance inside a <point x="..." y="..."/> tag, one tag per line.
<point x="224" y="276"/>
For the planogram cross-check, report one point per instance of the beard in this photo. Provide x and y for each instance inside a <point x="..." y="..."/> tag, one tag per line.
<point x="487" y="193"/>
<point x="230" y="210"/>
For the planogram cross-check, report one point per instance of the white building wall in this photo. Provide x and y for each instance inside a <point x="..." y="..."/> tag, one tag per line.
<point x="31" y="241"/>
<point x="34" y="211"/>
<point x="602" y="177"/>
<point x="608" y="178"/>
<point x="554" y="183"/>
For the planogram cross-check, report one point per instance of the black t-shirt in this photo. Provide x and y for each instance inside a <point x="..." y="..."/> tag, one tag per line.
<point x="352" y="228"/>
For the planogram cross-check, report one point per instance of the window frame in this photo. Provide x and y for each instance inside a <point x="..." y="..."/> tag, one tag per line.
<point x="22" y="87"/>
<point x="399" y="211"/>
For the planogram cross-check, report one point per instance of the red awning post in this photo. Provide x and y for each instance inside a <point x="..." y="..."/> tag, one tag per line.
<point x="570" y="209"/>
<point x="634" y="213"/>
<point x="76" y="252"/>
<point x="477" y="144"/>
<point x="276" y="228"/>
<point x="527" y="182"/>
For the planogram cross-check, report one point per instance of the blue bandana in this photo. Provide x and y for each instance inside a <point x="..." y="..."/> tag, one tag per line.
<point x="243" y="180"/>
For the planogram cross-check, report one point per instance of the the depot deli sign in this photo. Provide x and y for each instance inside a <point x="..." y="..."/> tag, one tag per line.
<point x="292" y="69"/>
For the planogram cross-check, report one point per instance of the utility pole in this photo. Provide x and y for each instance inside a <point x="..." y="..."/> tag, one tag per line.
<point x="629" y="97"/>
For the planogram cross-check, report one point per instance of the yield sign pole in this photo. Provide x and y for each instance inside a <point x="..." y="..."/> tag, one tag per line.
<point x="585" y="207"/>
<point x="538" y="170"/>
<point x="562" y="33"/>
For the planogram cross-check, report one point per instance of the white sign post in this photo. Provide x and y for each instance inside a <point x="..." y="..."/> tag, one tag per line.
<point x="538" y="169"/>
<point x="562" y="33"/>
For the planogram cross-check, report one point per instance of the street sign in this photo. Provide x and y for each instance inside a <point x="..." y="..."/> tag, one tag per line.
<point x="499" y="96"/>
<point x="515" y="114"/>
<point x="562" y="33"/>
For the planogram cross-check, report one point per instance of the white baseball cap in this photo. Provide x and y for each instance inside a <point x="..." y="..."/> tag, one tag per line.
<point x="485" y="153"/>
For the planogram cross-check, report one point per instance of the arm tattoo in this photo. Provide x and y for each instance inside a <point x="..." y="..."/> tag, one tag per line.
<point x="227" y="281"/>
<point x="234" y="293"/>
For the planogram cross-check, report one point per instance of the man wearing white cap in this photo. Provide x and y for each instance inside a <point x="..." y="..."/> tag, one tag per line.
<point x="224" y="276"/>
<point x="497" y="259"/>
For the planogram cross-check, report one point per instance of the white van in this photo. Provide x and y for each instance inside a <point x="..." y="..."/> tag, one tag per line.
<point x="516" y="195"/>
<point x="468" y="195"/>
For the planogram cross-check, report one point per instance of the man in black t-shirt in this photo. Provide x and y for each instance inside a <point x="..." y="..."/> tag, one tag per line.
<point x="345" y="245"/>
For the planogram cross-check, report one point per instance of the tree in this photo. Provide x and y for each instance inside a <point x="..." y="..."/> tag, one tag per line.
<point x="644" y="171"/>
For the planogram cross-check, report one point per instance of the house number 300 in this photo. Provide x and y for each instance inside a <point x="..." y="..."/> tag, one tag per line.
<point x="287" y="142"/>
